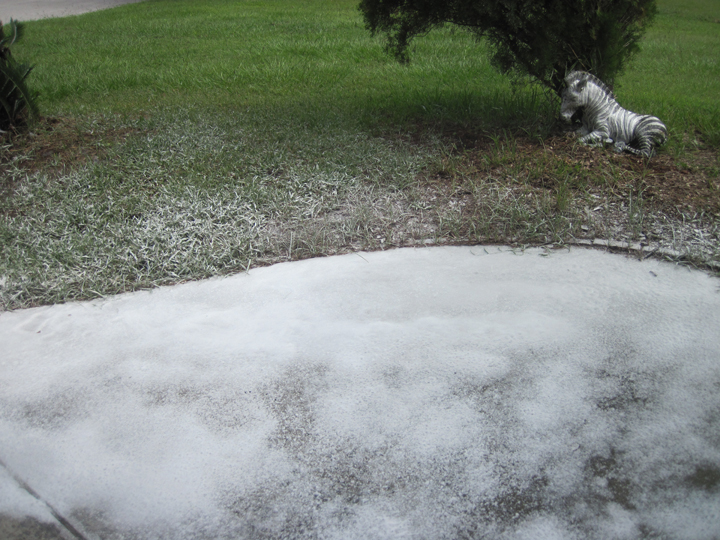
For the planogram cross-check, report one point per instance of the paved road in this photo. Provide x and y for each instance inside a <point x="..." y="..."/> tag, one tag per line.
<point x="27" y="10"/>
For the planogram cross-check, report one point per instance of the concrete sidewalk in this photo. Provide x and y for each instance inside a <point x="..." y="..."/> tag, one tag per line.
<point x="458" y="392"/>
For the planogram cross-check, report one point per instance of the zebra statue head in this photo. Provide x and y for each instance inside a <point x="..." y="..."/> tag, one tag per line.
<point x="606" y="122"/>
<point x="581" y="90"/>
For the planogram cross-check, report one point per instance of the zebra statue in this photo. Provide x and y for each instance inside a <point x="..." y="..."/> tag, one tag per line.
<point x="606" y="122"/>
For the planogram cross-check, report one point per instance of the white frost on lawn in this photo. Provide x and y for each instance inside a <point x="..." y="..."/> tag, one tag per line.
<point x="433" y="393"/>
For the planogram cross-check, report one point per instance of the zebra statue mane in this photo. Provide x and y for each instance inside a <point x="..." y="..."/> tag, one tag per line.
<point x="574" y="76"/>
<point x="604" y="121"/>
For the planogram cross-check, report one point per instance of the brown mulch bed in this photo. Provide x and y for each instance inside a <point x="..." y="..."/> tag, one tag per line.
<point x="664" y="181"/>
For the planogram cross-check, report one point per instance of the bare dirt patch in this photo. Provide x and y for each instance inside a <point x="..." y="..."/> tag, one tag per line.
<point x="56" y="145"/>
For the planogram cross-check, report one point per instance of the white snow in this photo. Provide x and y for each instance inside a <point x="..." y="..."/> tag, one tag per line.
<point x="431" y="393"/>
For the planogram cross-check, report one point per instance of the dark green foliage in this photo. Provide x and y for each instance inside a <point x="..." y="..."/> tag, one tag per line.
<point x="17" y="102"/>
<point x="541" y="38"/>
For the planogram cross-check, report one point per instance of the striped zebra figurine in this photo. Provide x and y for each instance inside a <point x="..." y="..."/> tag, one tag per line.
<point x="606" y="122"/>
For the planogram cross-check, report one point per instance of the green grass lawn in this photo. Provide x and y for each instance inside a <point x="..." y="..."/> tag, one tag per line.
<point x="314" y="57"/>
<point x="186" y="139"/>
<point x="317" y="55"/>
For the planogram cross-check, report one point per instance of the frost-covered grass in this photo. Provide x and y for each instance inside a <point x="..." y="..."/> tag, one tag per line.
<point x="264" y="131"/>
<point x="196" y="198"/>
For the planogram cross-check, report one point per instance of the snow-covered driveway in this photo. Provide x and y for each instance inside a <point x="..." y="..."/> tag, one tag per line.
<point x="454" y="392"/>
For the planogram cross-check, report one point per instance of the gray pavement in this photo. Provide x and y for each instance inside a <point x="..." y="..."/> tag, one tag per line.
<point x="28" y="10"/>
<point x="456" y="392"/>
